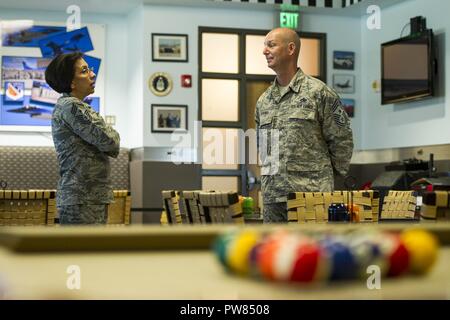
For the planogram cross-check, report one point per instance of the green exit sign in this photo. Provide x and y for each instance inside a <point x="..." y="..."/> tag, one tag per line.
<point x="289" y="20"/>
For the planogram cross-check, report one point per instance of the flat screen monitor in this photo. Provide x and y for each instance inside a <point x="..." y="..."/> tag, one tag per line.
<point x="407" y="68"/>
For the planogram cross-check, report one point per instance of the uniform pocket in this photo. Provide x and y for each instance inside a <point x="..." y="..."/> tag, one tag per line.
<point x="302" y="115"/>
<point x="266" y="122"/>
<point x="298" y="166"/>
<point x="265" y="138"/>
<point x="302" y="128"/>
<point x="311" y="176"/>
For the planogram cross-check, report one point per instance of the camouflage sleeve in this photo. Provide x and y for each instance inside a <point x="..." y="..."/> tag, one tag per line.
<point x="257" y="124"/>
<point x="257" y="116"/>
<point x="337" y="133"/>
<point x="91" y="127"/>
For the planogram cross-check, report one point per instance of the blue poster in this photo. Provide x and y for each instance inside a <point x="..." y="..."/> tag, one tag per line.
<point x="94" y="102"/>
<point x="26" y="69"/>
<point x="25" y="113"/>
<point x="33" y="113"/>
<point x="76" y="40"/>
<point x="19" y="36"/>
<point x="93" y="62"/>
<point x="42" y="93"/>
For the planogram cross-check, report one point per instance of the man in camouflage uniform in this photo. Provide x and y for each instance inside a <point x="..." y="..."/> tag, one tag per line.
<point x="304" y="133"/>
<point x="83" y="143"/>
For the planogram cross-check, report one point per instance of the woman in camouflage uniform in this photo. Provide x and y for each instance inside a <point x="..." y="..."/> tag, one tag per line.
<point x="83" y="143"/>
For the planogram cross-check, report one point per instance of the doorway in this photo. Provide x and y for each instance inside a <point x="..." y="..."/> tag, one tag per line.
<point x="233" y="73"/>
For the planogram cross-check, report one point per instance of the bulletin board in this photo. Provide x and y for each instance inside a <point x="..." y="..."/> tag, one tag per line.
<point x="26" y="49"/>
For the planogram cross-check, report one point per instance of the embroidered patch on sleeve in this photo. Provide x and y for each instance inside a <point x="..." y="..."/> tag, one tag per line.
<point x="338" y="114"/>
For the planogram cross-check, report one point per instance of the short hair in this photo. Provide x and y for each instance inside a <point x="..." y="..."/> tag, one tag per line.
<point x="60" y="72"/>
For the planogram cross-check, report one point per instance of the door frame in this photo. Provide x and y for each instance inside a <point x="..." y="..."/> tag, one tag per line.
<point x="242" y="77"/>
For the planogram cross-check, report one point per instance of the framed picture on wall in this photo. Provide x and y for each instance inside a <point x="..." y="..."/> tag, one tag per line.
<point x="343" y="60"/>
<point x="349" y="106"/>
<point x="344" y="83"/>
<point x="167" y="118"/>
<point x="169" y="47"/>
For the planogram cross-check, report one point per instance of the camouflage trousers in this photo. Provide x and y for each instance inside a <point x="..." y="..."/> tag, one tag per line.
<point x="83" y="214"/>
<point x="275" y="212"/>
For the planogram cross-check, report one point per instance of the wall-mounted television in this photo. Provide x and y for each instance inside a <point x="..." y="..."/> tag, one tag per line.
<point x="408" y="68"/>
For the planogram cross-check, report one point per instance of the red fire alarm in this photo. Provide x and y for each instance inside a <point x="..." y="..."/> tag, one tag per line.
<point x="186" y="80"/>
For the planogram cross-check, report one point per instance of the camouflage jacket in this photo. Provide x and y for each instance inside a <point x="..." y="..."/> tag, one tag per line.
<point x="83" y="143"/>
<point x="314" y="138"/>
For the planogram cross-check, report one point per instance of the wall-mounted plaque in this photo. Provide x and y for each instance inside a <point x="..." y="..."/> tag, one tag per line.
<point x="160" y="84"/>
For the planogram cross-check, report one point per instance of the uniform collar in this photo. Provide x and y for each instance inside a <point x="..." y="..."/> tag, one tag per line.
<point x="66" y="94"/>
<point x="295" y="85"/>
<point x="297" y="81"/>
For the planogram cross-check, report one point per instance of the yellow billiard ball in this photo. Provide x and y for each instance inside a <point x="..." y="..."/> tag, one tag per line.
<point x="238" y="255"/>
<point x="423" y="249"/>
